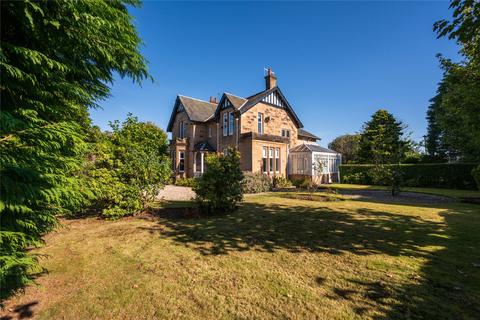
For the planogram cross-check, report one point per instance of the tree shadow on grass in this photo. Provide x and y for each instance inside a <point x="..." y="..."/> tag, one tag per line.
<point x="23" y="311"/>
<point x="298" y="228"/>
<point x="446" y="287"/>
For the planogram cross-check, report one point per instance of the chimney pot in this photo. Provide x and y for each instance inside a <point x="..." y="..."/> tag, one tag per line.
<point x="213" y="99"/>
<point x="270" y="79"/>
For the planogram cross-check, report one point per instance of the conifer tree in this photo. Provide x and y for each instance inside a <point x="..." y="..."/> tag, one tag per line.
<point x="57" y="60"/>
<point x="382" y="140"/>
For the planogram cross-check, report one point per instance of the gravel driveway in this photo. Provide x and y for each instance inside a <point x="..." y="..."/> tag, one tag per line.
<point x="171" y="192"/>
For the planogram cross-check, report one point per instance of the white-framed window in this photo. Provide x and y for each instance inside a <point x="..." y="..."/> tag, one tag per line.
<point x="181" y="162"/>
<point x="271" y="159"/>
<point x="225" y="152"/>
<point x="260" y="123"/>
<point x="286" y="133"/>
<point x="264" y="159"/>
<point x="209" y="131"/>
<point x="225" y="124"/>
<point x="277" y="160"/>
<point x="231" y="124"/>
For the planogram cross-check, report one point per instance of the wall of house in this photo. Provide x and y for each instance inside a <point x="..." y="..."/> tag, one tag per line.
<point x="181" y="116"/>
<point x="278" y="119"/>
<point x="229" y="140"/>
<point x="305" y="140"/>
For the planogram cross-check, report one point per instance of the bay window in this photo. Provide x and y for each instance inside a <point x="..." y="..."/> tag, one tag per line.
<point x="272" y="154"/>
<point x="277" y="160"/>
<point x="264" y="160"/>
<point x="181" y="162"/>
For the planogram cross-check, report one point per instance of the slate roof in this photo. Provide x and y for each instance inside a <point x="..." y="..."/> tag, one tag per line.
<point x="202" y="111"/>
<point x="197" y="110"/>
<point x="203" y="146"/>
<point x="235" y="100"/>
<point x="311" y="148"/>
<point x="305" y="133"/>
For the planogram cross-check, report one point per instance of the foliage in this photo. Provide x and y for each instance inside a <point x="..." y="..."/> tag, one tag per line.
<point x="219" y="189"/>
<point x="57" y="59"/>
<point x="186" y="182"/>
<point x="476" y="175"/>
<point x="437" y="175"/>
<point x="256" y="183"/>
<point x="347" y="145"/>
<point x="305" y="183"/>
<point x="453" y="116"/>
<point x="464" y="28"/>
<point x="386" y="175"/>
<point x="456" y="113"/>
<point x="280" y="182"/>
<point x="130" y="166"/>
<point x="381" y="140"/>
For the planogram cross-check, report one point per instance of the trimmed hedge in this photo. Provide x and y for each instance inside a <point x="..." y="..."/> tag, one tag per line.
<point x="435" y="175"/>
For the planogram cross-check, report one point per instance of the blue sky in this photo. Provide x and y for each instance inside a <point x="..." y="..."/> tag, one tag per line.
<point x="336" y="62"/>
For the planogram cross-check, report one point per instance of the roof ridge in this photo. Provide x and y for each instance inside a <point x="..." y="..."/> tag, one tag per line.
<point x="234" y="95"/>
<point x="181" y="95"/>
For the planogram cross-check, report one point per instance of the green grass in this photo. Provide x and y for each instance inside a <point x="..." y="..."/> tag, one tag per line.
<point x="453" y="193"/>
<point x="273" y="258"/>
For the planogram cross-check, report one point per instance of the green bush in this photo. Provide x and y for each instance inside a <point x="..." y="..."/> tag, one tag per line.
<point x="256" y="183"/>
<point x="435" y="175"/>
<point x="476" y="175"/>
<point x="281" y="182"/>
<point x="126" y="168"/>
<point x="186" y="182"/>
<point x="302" y="183"/>
<point x="219" y="189"/>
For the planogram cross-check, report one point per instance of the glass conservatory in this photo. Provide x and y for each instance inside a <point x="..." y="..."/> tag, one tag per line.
<point x="315" y="162"/>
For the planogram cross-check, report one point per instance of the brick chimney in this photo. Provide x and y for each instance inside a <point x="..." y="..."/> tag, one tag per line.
<point x="270" y="79"/>
<point x="213" y="99"/>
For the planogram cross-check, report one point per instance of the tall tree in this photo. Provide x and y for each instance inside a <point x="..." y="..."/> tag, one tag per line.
<point x="382" y="139"/>
<point x="347" y="145"/>
<point x="454" y="114"/>
<point x="57" y="60"/>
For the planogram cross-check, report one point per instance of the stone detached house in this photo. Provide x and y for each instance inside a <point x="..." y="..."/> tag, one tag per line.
<point x="263" y="127"/>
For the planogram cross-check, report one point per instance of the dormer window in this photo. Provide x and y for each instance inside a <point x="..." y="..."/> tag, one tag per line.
<point x="260" y="123"/>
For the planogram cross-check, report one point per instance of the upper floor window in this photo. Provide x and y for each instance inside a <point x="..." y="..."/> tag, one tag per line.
<point x="286" y="133"/>
<point x="260" y="122"/>
<point x="182" y="130"/>
<point x="225" y="124"/>
<point x="209" y="131"/>
<point x="231" y="125"/>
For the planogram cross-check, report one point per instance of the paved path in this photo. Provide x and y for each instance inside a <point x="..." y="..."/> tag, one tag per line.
<point x="171" y="192"/>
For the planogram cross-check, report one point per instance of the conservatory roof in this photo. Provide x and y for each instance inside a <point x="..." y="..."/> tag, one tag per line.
<point x="311" y="148"/>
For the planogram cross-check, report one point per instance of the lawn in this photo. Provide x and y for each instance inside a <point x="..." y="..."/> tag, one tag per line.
<point x="273" y="258"/>
<point x="452" y="193"/>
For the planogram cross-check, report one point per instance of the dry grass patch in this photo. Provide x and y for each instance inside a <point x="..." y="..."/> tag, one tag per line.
<point x="274" y="258"/>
